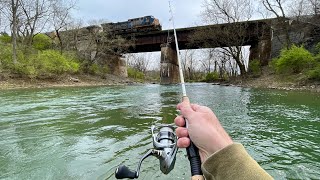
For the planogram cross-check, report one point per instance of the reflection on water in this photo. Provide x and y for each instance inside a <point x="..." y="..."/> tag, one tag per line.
<point x="85" y="133"/>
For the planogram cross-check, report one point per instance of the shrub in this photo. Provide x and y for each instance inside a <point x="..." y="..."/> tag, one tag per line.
<point x="317" y="48"/>
<point x="53" y="62"/>
<point x="6" y="61"/>
<point x="255" y="68"/>
<point x="314" y="74"/>
<point x="294" y="60"/>
<point x="41" y="42"/>
<point x="213" y="76"/>
<point x="5" y="38"/>
<point x="96" y="69"/>
<point x="5" y="57"/>
<point x="133" y="73"/>
<point x="46" y="64"/>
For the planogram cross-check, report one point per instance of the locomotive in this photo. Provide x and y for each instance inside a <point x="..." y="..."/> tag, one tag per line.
<point x="141" y="24"/>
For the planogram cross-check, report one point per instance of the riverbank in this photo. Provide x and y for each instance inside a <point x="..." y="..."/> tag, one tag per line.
<point x="64" y="81"/>
<point x="269" y="80"/>
<point x="265" y="81"/>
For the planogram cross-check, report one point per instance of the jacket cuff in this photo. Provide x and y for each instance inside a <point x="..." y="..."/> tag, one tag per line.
<point x="233" y="162"/>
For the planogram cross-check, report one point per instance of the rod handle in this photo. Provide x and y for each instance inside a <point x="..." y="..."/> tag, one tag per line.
<point x="194" y="159"/>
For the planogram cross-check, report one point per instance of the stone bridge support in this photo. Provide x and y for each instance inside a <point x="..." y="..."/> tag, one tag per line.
<point x="117" y="66"/>
<point x="261" y="50"/>
<point x="169" y="68"/>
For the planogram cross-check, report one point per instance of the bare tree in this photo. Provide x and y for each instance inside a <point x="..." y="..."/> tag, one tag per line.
<point x="189" y="63"/>
<point x="14" y="15"/>
<point x="10" y="10"/>
<point x="277" y="8"/>
<point x="61" y="17"/>
<point x="231" y="35"/>
<point x="210" y="60"/>
<point x="34" y="17"/>
<point x="140" y="62"/>
<point x="314" y="6"/>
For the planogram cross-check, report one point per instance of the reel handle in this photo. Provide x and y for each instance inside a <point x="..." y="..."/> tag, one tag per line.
<point x="124" y="172"/>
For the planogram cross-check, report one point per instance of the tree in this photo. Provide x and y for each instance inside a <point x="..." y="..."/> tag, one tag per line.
<point x="277" y="8"/>
<point x="210" y="60"/>
<point x="14" y="15"/>
<point x="61" y="17"/>
<point x="111" y="45"/>
<point x="230" y="35"/>
<point x="34" y="17"/>
<point x="140" y="62"/>
<point x="189" y="64"/>
<point x="303" y="9"/>
<point x="315" y="6"/>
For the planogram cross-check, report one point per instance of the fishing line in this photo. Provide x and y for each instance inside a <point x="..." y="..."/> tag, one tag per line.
<point x="192" y="150"/>
<point x="165" y="140"/>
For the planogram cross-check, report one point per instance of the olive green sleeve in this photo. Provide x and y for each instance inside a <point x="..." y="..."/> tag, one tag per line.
<point x="233" y="162"/>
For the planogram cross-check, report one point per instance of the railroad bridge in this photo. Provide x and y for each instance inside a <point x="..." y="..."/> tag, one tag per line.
<point x="257" y="36"/>
<point x="265" y="38"/>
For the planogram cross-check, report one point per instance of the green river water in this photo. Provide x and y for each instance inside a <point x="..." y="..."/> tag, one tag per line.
<point x="85" y="133"/>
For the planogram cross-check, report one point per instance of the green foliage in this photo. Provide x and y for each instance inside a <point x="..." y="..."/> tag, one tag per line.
<point x="43" y="64"/>
<point x="41" y="42"/>
<point x="293" y="61"/>
<point x="5" y="57"/>
<point x="5" y="38"/>
<point x="6" y="62"/>
<point x="213" y="76"/>
<point x="255" y="68"/>
<point x="317" y="58"/>
<point x="314" y="74"/>
<point x="317" y="48"/>
<point x="96" y="69"/>
<point x="51" y="63"/>
<point x="133" y="73"/>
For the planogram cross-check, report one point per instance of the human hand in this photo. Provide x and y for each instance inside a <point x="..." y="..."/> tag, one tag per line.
<point x="204" y="129"/>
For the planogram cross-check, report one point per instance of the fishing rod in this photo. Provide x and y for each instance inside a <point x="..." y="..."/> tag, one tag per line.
<point x="192" y="150"/>
<point x="165" y="141"/>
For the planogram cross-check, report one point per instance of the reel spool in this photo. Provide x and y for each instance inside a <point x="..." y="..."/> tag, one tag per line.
<point x="165" y="149"/>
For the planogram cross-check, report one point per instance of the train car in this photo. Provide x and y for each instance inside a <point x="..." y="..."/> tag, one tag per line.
<point x="141" y="24"/>
<point x="145" y="23"/>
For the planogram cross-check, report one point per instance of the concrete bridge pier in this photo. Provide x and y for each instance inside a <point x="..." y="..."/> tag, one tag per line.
<point x="169" y="68"/>
<point x="117" y="66"/>
<point x="261" y="50"/>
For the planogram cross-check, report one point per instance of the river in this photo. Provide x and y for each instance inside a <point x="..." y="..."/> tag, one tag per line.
<point x="85" y="133"/>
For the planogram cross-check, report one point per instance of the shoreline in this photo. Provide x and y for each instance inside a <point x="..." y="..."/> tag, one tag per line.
<point x="67" y="81"/>
<point x="111" y="80"/>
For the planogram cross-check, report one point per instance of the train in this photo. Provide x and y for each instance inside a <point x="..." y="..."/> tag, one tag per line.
<point x="140" y="24"/>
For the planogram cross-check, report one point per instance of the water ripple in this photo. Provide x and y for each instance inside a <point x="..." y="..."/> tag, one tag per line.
<point x="85" y="133"/>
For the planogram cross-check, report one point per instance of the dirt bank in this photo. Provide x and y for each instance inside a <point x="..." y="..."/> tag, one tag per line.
<point x="7" y="82"/>
<point x="271" y="81"/>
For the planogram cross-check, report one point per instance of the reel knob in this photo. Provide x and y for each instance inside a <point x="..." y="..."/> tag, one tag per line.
<point x="124" y="172"/>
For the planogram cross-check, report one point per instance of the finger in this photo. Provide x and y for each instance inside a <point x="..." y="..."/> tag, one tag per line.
<point x="185" y="108"/>
<point x="185" y="103"/>
<point x="179" y="121"/>
<point x="195" y="107"/>
<point x="182" y="132"/>
<point x="183" y="142"/>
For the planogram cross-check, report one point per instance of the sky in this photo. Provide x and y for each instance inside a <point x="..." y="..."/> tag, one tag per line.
<point x="186" y="12"/>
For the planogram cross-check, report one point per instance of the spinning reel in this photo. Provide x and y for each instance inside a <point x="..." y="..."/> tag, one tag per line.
<point x="165" y="149"/>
